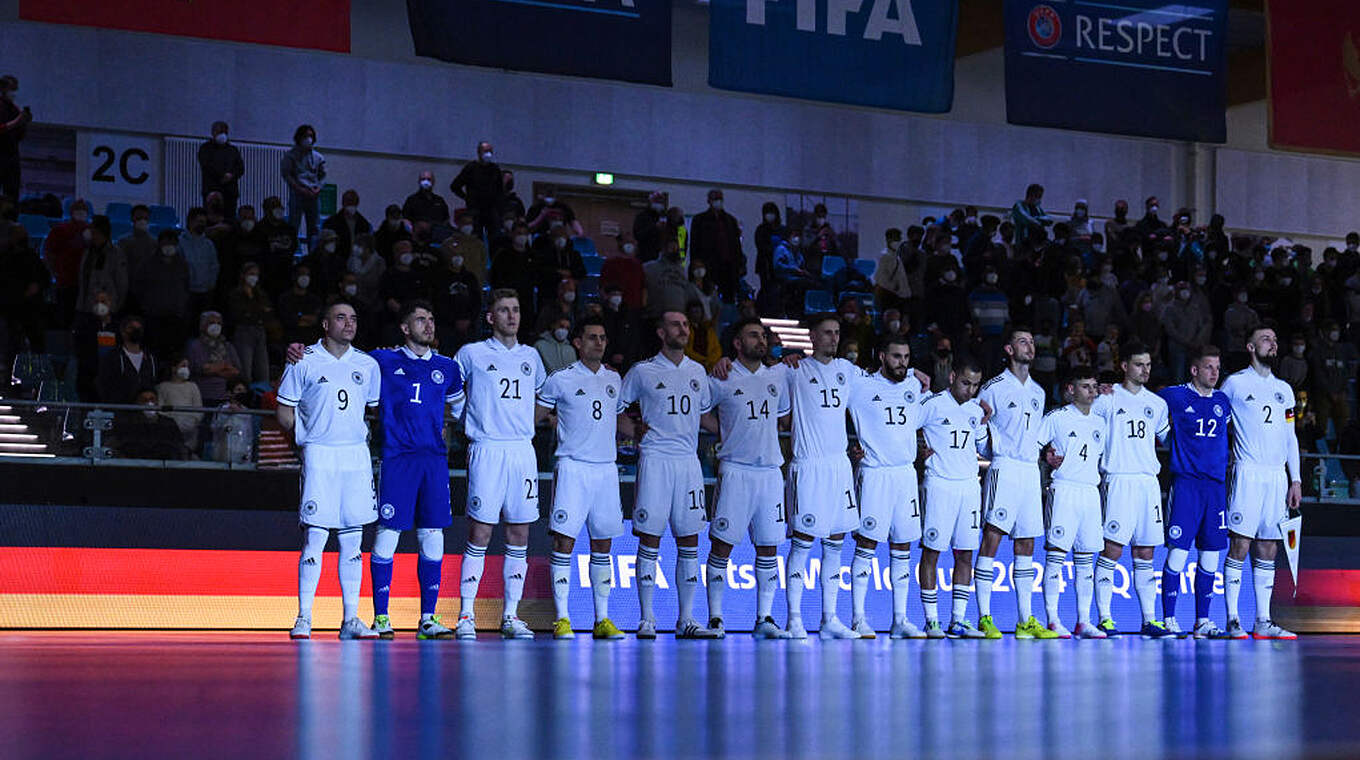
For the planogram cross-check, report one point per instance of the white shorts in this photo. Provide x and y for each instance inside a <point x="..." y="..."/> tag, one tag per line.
<point x="889" y="504"/>
<point x="669" y="489"/>
<point x="1074" y="518"/>
<point x="953" y="514"/>
<point x="502" y="483"/>
<point x="1133" y="510"/>
<point x="586" y="493"/>
<point x="750" y="501"/>
<point x="1256" y="501"/>
<point x="1012" y="498"/>
<point x="337" y="487"/>
<point x="820" y="494"/>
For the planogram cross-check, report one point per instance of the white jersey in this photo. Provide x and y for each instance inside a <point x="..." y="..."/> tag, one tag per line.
<point x="749" y="405"/>
<point x="955" y="434"/>
<point x="330" y="395"/>
<point x="820" y="395"/>
<point x="1079" y="440"/>
<point x="587" y="406"/>
<point x="1263" y="420"/>
<point x="1134" y="422"/>
<point x="1017" y="409"/>
<point x="672" y="397"/>
<point x="500" y="384"/>
<point x="886" y="416"/>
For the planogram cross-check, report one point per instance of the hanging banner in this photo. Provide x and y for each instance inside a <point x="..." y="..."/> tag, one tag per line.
<point x="1136" y="67"/>
<point x="609" y="39"/>
<point x="1314" y="54"/>
<point x="884" y="53"/>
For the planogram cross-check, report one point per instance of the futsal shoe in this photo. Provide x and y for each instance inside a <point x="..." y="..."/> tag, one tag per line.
<point x="862" y="629"/>
<point x="382" y="625"/>
<point x="833" y="628"/>
<point x="795" y="629"/>
<point x="433" y="627"/>
<point x="302" y="628"/>
<point x="354" y="628"/>
<point x="562" y="629"/>
<point x="1235" y="630"/>
<point x="514" y="628"/>
<point x="1205" y="629"/>
<point x="1108" y="626"/>
<point x="605" y="630"/>
<point x="716" y="625"/>
<point x="646" y="629"/>
<point x="466" y="628"/>
<point x="1266" y="629"/>
<point x="903" y="628"/>
<point x="1173" y="627"/>
<point x="933" y="630"/>
<point x="766" y="628"/>
<point x="988" y="627"/>
<point x="1088" y="631"/>
<point x="1033" y="629"/>
<point x="1153" y="629"/>
<point x="1058" y="630"/>
<point x="690" y="629"/>
<point x="962" y="629"/>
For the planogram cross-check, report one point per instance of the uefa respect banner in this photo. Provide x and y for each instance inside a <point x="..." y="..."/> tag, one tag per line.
<point x="884" y="53"/>
<point x="1132" y="67"/>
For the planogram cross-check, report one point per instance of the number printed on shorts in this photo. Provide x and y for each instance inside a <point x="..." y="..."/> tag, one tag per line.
<point x="530" y="489"/>
<point x="915" y="509"/>
<point x="696" y="498"/>
<point x="342" y="397"/>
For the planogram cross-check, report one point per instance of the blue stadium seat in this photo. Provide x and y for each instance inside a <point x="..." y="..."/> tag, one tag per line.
<point x="117" y="211"/>
<point x="815" y="301"/>
<point x="831" y="265"/>
<point x="584" y="246"/>
<point x="594" y="264"/>
<point x="164" y="216"/>
<point x="590" y="286"/>
<point x="865" y="267"/>
<point x="37" y="225"/>
<point x="866" y="301"/>
<point x="120" y="230"/>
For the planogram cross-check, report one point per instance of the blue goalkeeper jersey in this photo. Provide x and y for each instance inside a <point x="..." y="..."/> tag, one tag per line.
<point x="414" y="392"/>
<point x="1199" y="432"/>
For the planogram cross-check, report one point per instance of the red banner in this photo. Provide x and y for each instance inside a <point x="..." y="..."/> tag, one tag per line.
<point x="1314" y="56"/>
<point x="315" y="24"/>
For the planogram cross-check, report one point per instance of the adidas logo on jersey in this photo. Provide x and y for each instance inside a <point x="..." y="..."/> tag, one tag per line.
<point x="322" y="380"/>
<point x="661" y="386"/>
<point x="580" y="392"/>
<point x="1011" y="405"/>
<point x="946" y="423"/>
<point x="490" y="368"/>
<point x="1250" y="397"/>
<point x="876" y="398"/>
<point x="1072" y="434"/>
<point x="812" y="381"/>
<point x="1121" y="411"/>
<point x="399" y="371"/>
<point x="738" y="392"/>
<point x="1190" y="410"/>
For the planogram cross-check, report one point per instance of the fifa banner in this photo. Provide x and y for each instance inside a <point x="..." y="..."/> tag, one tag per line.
<point x="1314" y="54"/>
<point x="1135" y="67"/>
<point x="313" y="24"/>
<point x="883" y="53"/>
<point x="609" y="39"/>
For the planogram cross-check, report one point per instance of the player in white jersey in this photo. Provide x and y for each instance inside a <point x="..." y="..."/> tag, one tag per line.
<point x="501" y="377"/>
<point x="1011" y="494"/>
<point x="955" y="431"/>
<point x="322" y="400"/>
<point x="1134" y="419"/>
<point x="886" y="410"/>
<point x="747" y="408"/>
<point x="672" y="391"/>
<point x="585" y="399"/>
<point x="1077" y="437"/>
<point x="1265" y="452"/>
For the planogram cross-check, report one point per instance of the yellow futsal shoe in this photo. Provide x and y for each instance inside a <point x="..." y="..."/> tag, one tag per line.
<point x="1033" y="629"/>
<point x="988" y="627"/>
<point x="605" y="629"/>
<point x="562" y="629"/>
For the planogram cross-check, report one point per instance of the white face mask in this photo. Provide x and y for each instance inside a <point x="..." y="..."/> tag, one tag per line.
<point x="328" y="247"/>
<point x="949" y="275"/>
<point x="466" y="229"/>
<point x="699" y="272"/>
<point x="277" y="214"/>
<point x="304" y="280"/>
<point x="616" y="301"/>
<point x="182" y="373"/>
<point x="456" y="261"/>
<point x="1298" y="350"/>
<point x="357" y="250"/>
<point x="549" y="200"/>
<point x="308" y="142"/>
<point x="87" y="234"/>
<point x="141" y="225"/>
<point x="1286" y="281"/>
<point x="213" y="329"/>
<point x="1259" y="276"/>
<point x="795" y="241"/>
<point x="971" y="220"/>
<point x="425" y="184"/>
<point x="351" y="210"/>
<point x="1152" y="209"/>
<point x="852" y="356"/>
<point x="1184" y="295"/>
<point x="150" y="413"/>
<point x="351" y="289"/>
<point x="101" y="309"/>
<point x="1334" y="336"/>
<point x="569" y="296"/>
<point x="1241" y="297"/>
<point x="252" y="280"/>
<point x="771" y="218"/>
<point x="247" y="224"/>
<point x="508" y="225"/>
<point x="487" y="156"/>
<point x="894" y="325"/>
<point x="168" y="250"/>
<point x="820" y="221"/>
<point x="560" y="334"/>
<point x="560" y="242"/>
<point x="406" y="259"/>
<point x="220" y="138"/>
<point x="716" y="205"/>
<point x="990" y="277"/>
<point x="658" y="207"/>
<point x="629" y="248"/>
<point x="521" y="240"/>
<point x="80" y="216"/>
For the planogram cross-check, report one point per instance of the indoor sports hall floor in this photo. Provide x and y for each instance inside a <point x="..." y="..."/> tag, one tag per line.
<point x="158" y="695"/>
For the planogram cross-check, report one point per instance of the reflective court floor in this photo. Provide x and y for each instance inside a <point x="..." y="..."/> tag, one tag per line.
<point x="151" y="695"/>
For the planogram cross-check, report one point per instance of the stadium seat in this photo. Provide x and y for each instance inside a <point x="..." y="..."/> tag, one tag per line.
<point x="120" y="230"/>
<point x="164" y="216"/>
<point x="815" y="301"/>
<point x="590" y="286"/>
<point x="831" y="265"/>
<point x="584" y="246"/>
<point x="117" y="211"/>
<point x="594" y="265"/>
<point x="865" y="267"/>
<point x="37" y="226"/>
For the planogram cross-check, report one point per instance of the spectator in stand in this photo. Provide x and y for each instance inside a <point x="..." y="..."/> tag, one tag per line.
<point x="425" y="205"/>
<point x="130" y="369"/>
<point x="1331" y="365"/>
<point x="225" y="235"/>
<point x="703" y="346"/>
<point x="1078" y="350"/>
<point x="1046" y="350"/>
<point x="279" y="240"/>
<point x="855" y="324"/>
<point x="91" y="340"/>
<point x="892" y="286"/>
<point x="251" y="312"/>
<point x="62" y="252"/>
<point x="221" y="168"/>
<point x="368" y="268"/>
<point x="1150" y="224"/>
<point x="555" y="259"/>
<point x="648" y="229"/>
<point x="989" y="308"/>
<point x="14" y="123"/>
<point x="511" y="204"/>
<point x="201" y="256"/>
<point x="946" y="304"/>
<point x="1079" y="226"/>
<point x="1115" y="227"/>
<point x="138" y="246"/>
<point x="1146" y="328"/>
<point x="328" y="262"/>
<point x="404" y="281"/>
<point x="550" y="212"/>
<point x="304" y="169"/>
<point x="469" y="245"/>
<point x="297" y="310"/>
<point x="940" y="364"/>
<point x="715" y="240"/>
<point x="553" y="347"/>
<point x="393" y="230"/>
<point x="212" y="360"/>
<point x="513" y="267"/>
<point x="23" y="281"/>
<point x="1293" y="365"/>
<point x="564" y="305"/>
<point x="162" y="291"/>
<point x="819" y="239"/>
<point x="712" y="298"/>
<point x="623" y="326"/>
<point x="348" y="224"/>
<point x="1107" y="351"/>
<point x="1238" y="322"/>
<point x="674" y="229"/>
<point x="668" y="285"/>
<point x="1029" y="218"/>
<point x="148" y="434"/>
<point x="1100" y="306"/>
<point x="481" y="185"/>
<point x="102" y="269"/>
<point x="790" y="274"/>
<point x="771" y="226"/>
<point x="978" y="251"/>
<point x="624" y="270"/>
<point x="457" y="297"/>
<point x="1188" y="323"/>
<point x="178" y="391"/>
<point x="895" y="325"/>
<point x="250" y="245"/>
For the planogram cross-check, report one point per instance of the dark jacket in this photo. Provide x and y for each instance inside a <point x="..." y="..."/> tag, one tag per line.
<point x="715" y="237"/>
<point x="456" y="295"/>
<point x="426" y="206"/>
<point x="162" y="286"/>
<point x="341" y="226"/>
<point x="119" y="382"/>
<point x="647" y="234"/>
<point x="480" y="184"/>
<point x="137" y="437"/>
<point x="214" y="161"/>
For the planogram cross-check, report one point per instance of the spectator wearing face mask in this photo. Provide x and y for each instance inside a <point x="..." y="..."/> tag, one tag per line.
<point x="648" y="227"/>
<point x="1146" y="328"/>
<point x="220" y="168"/>
<point x="201" y="256"/>
<point x="892" y="287"/>
<point x="946" y="303"/>
<point x="623" y="326"/>
<point x="251" y="312"/>
<point x="554" y="347"/>
<point x="1078" y="350"/>
<point x="512" y="266"/>
<point x="712" y="298"/>
<point x="213" y="361"/>
<point x="511" y="204"/>
<point x="328" y="262"/>
<point x="62" y="252"/>
<point x="555" y="259"/>
<point x="855" y="325"/>
<point x="368" y="268"/>
<point x="280" y="240"/>
<point x="1107" y="351"/>
<point x="941" y="364"/>
<point x="1029" y="217"/>
<point x="23" y="282"/>
<point x="980" y="251"/>
<point x="250" y="244"/>
<point x="1188" y="323"/>
<point x="406" y="280"/>
<point x="148" y="434"/>
<point x="668" y="285"/>
<point x="1238" y="322"/>
<point x="304" y="169"/>
<point x="298" y="309"/>
<point x="128" y="370"/>
<point x="550" y="212"/>
<point x="457" y="296"/>
<point x="138" y="246"/>
<point x="564" y="305"/>
<point x="715" y="240"/>
<point x="791" y="275"/>
<point x="1150" y="224"/>
<point x="103" y="269"/>
<point x="92" y="339"/>
<point x="771" y="226"/>
<point x="1100" y="306"/>
<point x="1331" y="365"/>
<point x="1293" y="365"/>
<point x="425" y="205"/>
<point x="393" y="230"/>
<point x="703" y="346"/>
<point x="177" y="390"/>
<point x="468" y="244"/>
<point x="347" y="223"/>
<point x="162" y="291"/>
<point x="989" y="307"/>
<point x="625" y="270"/>
<point x="1115" y="227"/>
<point x="481" y="184"/>
<point x="819" y="238"/>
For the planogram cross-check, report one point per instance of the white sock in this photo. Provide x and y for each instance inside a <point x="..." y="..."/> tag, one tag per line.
<point x="795" y="573"/>
<point x="351" y="570"/>
<point x="646" y="578"/>
<point x="1263" y="577"/>
<point x="1053" y="568"/>
<point x="831" y="576"/>
<point x="767" y="580"/>
<point x="309" y="568"/>
<point x="961" y="595"/>
<point x="1232" y="585"/>
<point x="717" y="583"/>
<point x="686" y="579"/>
<point x="516" y="567"/>
<point x="1024" y="587"/>
<point x="1146" y="586"/>
<point x="474" y="561"/>
<point x="1105" y="568"/>
<point x="901" y="582"/>
<point x="930" y="599"/>
<point x="560" y="570"/>
<point x="601" y="583"/>
<point x="1085" y="571"/>
<point x="861" y="574"/>
<point x="984" y="575"/>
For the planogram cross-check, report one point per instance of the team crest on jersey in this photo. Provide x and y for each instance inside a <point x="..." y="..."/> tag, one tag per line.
<point x="309" y="508"/>
<point x="694" y="385"/>
<point x="559" y="516"/>
<point x="720" y="524"/>
<point x="1175" y="531"/>
<point x="1096" y="435"/>
<point x="932" y="534"/>
<point x="1147" y="412"/>
<point x="525" y="368"/>
<point x="840" y="378"/>
<point x="357" y="377"/>
<point x="609" y="391"/>
<point x="640" y="516"/>
<point x="1000" y="513"/>
<point x="869" y="523"/>
<point x="1034" y="403"/>
<point x="972" y="422"/>
<point x="808" y="519"/>
<point x="1218" y="410"/>
<point x="476" y="502"/>
<point x="437" y="377"/>
<point x="387" y="511"/>
<point x="1279" y="398"/>
<point x="909" y="397"/>
<point x="772" y="390"/>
